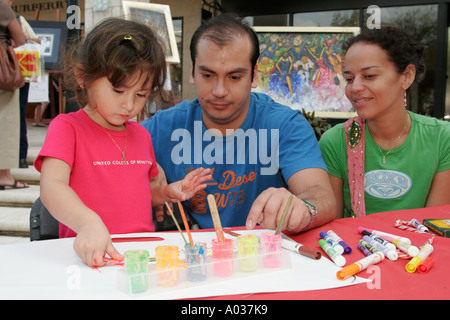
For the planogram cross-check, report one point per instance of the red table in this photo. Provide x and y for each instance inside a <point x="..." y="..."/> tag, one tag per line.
<point x="390" y="280"/>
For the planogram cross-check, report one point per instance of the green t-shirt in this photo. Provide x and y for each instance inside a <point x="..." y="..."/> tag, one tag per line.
<point x="404" y="181"/>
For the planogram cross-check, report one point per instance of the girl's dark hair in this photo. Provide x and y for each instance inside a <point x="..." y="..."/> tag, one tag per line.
<point x="222" y="30"/>
<point x="400" y="48"/>
<point x="117" y="49"/>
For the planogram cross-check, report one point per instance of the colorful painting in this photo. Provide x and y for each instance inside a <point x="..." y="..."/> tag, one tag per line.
<point x="157" y="17"/>
<point x="53" y="36"/>
<point x="302" y="68"/>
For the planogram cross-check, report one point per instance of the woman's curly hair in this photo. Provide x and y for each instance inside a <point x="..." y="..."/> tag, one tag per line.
<point x="400" y="48"/>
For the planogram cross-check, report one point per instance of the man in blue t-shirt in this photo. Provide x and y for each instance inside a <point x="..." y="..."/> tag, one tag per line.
<point x="260" y="152"/>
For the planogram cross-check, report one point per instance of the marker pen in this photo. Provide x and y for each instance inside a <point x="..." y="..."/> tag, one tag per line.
<point x="416" y="224"/>
<point x="426" y="265"/>
<point x="412" y="265"/>
<point x="368" y="246"/>
<point x="364" y="249"/>
<point x="390" y="254"/>
<point x="301" y="249"/>
<point x="405" y="247"/>
<point x="386" y="236"/>
<point x="382" y="241"/>
<point x="332" y="234"/>
<point x="360" y="265"/>
<point x="336" y="257"/>
<point x="336" y="246"/>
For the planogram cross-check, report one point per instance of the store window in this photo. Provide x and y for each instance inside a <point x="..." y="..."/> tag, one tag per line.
<point x="420" y="23"/>
<point x="343" y="18"/>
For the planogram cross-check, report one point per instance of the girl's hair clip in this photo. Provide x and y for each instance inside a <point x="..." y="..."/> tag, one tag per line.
<point x="127" y="37"/>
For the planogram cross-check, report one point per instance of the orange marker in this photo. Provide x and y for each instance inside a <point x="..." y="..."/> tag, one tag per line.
<point x="360" y="265"/>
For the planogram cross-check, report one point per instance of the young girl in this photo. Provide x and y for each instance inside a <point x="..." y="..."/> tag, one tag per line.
<point x="95" y="164"/>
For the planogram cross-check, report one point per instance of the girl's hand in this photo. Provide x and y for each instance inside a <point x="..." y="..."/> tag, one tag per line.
<point x="186" y="188"/>
<point x="92" y="243"/>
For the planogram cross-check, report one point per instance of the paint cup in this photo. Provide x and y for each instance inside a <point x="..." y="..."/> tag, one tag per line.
<point x="167" y="265"/>
<point x="222" y="257"/>
<point x="247" y="246"/>
<point x="196" y="261"/>
<point x="136" y="267"/>
<point x="271" y="249"/>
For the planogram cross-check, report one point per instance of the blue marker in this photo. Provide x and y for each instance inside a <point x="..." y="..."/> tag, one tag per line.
<point x="332" y="234"/>
<point x="336" y="246"/>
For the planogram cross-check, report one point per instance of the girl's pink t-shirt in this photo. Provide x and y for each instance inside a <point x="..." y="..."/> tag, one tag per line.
<point x="119" y="193"/>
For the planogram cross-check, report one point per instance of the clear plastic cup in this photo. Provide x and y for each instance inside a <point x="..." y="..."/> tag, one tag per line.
<point x="222" y="257"/>
<point x="271" y="249"/>
<point x="247" y="246"/>
<point x="196" y="261"/>
<point x="136" y="267"/>
<point x="167" y="265"/>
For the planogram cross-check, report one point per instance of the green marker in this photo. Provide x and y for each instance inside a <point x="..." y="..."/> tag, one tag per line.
<point x="336" y="257"/>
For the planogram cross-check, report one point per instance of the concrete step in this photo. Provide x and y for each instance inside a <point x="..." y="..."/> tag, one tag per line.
<point x="29" y="175"/>
<point x="23" y="198"/>
<point x="15" y="204"/>
<point x="15" y="221"/>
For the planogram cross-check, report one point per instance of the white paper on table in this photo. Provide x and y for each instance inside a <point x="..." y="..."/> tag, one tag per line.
<point x="51" y="270"/>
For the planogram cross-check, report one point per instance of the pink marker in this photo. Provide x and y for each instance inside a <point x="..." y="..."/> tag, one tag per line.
<point x="386" y="236"/>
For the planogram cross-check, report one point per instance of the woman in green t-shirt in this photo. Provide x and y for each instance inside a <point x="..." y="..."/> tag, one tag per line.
<point x="387" y="158"/>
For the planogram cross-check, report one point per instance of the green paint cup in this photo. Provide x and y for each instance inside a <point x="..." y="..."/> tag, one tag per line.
<point x="136" y="267"/>
<point x="247" y="246"/>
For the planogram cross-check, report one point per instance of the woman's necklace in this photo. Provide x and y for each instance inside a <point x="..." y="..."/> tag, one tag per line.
<point x="392" y="144"/>
<point x="124" y="160"/>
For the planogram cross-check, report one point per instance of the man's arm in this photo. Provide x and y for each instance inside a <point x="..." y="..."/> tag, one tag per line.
<point x="311" y="184"/>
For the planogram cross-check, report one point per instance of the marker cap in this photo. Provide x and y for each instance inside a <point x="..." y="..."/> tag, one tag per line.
<point x="347" y="249"/>
<point x="361" y="229"/>
<point x="413" y="251"/>
<point x="365" y="232"/>
<point x="413" y="264"/>
<point x="348" y="271"/>
<point x="426" y="265"/>
<point x="339" y="260"/>
<point x="391" y="255"/>
<point x="309" y="252"/>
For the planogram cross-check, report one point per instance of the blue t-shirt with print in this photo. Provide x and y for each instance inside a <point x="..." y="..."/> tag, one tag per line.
<point x="272" y="144"/>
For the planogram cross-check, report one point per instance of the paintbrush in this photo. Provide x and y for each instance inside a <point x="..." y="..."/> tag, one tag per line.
<point x="286" y="209"/>
<point x="215" y="217"/>
<point x="183" y="216"/>
<point x="176" y="222"/>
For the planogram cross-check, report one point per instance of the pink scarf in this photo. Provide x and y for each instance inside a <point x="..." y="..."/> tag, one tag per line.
<point x="354" y="136"/>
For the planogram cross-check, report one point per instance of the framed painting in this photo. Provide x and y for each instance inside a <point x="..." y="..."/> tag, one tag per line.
<point x="302" y="67"/>
<point x="157" y="17"/>
<point x="53" y="36"/>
